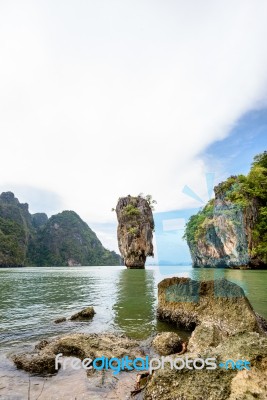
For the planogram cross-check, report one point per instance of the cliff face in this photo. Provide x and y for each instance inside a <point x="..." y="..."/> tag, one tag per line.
<point x="15" y="230"/>
<point x="35" y="240"/>
<point x="231" y="230"/>
<point x="135" y="230"/>
<point x="222" y="240"/>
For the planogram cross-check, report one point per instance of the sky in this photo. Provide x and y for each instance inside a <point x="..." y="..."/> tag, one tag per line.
<point x="101" y="99"/>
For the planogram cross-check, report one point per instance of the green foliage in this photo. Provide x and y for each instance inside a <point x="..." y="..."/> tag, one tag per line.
<point x="133" y="230"/>
<point x="149" y="199"/>
<point x="196" y="223"/>
<point x="260" y="160"/>
<point x="12" y="246"/>
<point x="131" y="210"/>
<point x="260" y="236"/>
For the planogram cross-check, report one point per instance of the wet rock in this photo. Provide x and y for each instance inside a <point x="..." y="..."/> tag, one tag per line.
<point x="86" y="313"/>
<point x="227" y="328"/>
<point x="218" y="303"/>
<point x="59" y="320"/>
<point x="42" y="344"/>
<point x="76" y="345"/>
<point x="204" y="337"/>
<point x="166" y="343"/>
<point x="219" y="384"/>
<point x="251" y="384"/>
<point x="41" y="364"/>
<point x="185" y="384"/>
<point x="262" y="322"/>
<point x="135" y="230"/>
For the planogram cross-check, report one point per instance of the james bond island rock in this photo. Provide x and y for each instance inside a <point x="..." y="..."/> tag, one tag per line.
<point x="34" y="240"/>
<point x="231" y="230"/>
<point x="135" y="230"/>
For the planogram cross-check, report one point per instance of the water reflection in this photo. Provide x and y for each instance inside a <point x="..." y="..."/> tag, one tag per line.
<point x="136" y="300"/>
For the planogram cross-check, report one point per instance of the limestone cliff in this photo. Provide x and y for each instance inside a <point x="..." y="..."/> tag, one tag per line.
<point x="231" y="230"/>
<point x="135" y="230"/>
<point x="15" y="230"/>
<point x="222" y="239"/>
<point x="65" y="239"/>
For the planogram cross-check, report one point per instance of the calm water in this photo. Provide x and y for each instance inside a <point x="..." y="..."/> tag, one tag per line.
<point x="124" y="300"/>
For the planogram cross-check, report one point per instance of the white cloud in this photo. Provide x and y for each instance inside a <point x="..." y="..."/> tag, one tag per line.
<point x="102" y="99"/>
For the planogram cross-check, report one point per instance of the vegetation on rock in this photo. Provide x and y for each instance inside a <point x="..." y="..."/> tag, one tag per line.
<point x="35" y="240"/>
<point x="135" y="229"/>
<point x="238" y="194"/>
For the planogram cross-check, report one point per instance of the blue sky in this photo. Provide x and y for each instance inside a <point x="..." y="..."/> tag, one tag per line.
<point x="247" y="138"/>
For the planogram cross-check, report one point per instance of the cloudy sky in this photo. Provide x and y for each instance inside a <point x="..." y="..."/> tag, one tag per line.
<point x="101" y="99"/>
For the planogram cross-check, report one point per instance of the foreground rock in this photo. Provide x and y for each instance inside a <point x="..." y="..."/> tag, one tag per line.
<point x="219" y="384"/>
<point x="168" y="343"/>
<point x="42" y="361"/>
<point x="135" y="230"/>
<point x="220" y="303"/>
<point x="226" y="328"/>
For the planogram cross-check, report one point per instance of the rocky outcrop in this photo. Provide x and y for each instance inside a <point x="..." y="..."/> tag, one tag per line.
<point x="226" y="329"/>
<point x="230" y="231"/>
<point x="135" y="230"/>
<point x="225" y="242"/>
<point x="39" y="219"/>
<point x="60" y="320"/>
<point x="67" y="240"/>
<point x="42" y="360"/>
<point x="166" y="343"/>
<point x="85" y="314"/>
<point x="220" y="304"/>
<point x="15" y="231"/>
<point x="223" y="239"/>
<point x="220" y="384"/>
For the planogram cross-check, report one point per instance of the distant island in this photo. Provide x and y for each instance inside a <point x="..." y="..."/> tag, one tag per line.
<point x="231" y="230"/>
<point x="63" y="239"/>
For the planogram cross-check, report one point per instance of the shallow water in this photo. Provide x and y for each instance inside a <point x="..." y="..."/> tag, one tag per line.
<point x="124" y="300"/>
